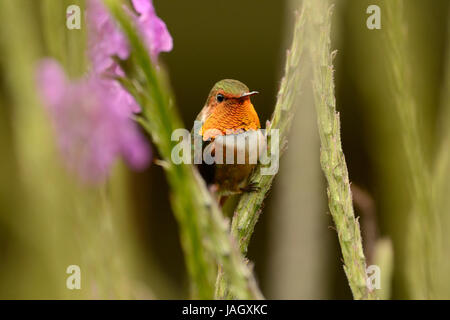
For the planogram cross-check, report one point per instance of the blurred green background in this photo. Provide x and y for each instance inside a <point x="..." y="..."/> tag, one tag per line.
<point x="123" y="234"/>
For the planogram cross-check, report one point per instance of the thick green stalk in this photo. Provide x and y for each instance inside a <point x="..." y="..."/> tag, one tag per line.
<point x="331" y="154"/>
<point x="384" y="259"/>
<point x="249" y="207"/>
<point x="423" y="219"/>
<point x="204" y="231"/>
<point x="442" y="183"/>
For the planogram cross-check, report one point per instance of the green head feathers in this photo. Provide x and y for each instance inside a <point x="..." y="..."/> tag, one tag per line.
<point x="230" y="86"/>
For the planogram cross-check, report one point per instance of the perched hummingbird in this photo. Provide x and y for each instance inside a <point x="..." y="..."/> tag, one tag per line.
<point x="229" y="111"/>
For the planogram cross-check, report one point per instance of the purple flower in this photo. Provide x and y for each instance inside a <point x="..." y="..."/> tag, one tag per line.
<point x="104" y="38"/>
<point x="92" y="119"/>
<point x="107" y="40"/>
<point x="92" y="116"/>
<point x="152" y="28"/>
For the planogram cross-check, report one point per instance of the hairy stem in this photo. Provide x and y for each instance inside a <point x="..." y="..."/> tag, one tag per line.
<point x="331" y="154"/>
<point x="442" y="183"/>
<point x="423" y="218"/>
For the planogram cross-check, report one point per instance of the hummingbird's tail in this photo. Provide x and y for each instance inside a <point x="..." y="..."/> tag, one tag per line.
<point x="222" y="200"/>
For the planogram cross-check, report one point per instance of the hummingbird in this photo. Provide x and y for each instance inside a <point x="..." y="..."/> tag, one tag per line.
<point x="229" y="111"/>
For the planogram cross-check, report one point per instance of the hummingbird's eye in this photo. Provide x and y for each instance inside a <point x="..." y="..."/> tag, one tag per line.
<point x="220" y="97"/>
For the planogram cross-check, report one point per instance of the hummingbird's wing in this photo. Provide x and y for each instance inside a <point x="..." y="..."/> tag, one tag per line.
<point x="198" y="122"/>
<point x="207" y="171"/>
<point x="200" y="119"/>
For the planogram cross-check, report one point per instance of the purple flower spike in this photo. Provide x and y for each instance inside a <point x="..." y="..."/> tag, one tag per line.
<point x="104" y="38"/>
<point x="107" y="40"/>
<point x="92" y="120"/>
<point x="92" y="116"/>
<point x="152" y="28"/>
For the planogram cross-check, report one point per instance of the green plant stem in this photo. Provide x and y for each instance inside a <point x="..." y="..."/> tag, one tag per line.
<point x="442" y="183"/>
<point x="249" y="207"/>
<point x="384" y="259"/>
<point x="204" y="232"/>
<point x="331" y="154"/>
<point x="424" y="223"/>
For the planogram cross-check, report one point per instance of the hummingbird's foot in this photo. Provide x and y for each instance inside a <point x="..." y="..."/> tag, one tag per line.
<point x="213" y="188"/>
<point x="251" y="187"/>
<point x="222" y="201"/>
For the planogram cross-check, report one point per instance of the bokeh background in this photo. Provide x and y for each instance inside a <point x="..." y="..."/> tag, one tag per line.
<point x="123" y="234"/>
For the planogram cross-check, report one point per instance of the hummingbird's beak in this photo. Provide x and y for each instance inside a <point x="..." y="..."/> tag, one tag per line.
<point x="248" y="94"/>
